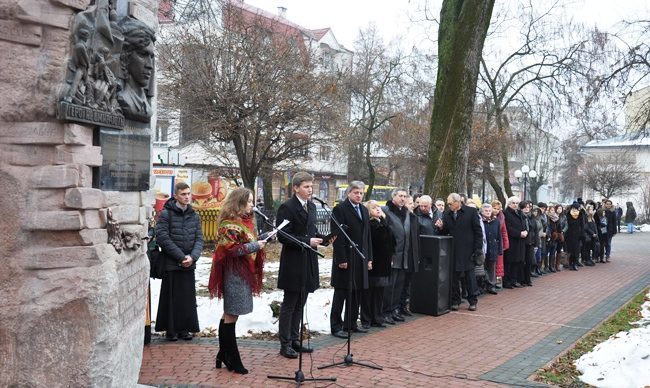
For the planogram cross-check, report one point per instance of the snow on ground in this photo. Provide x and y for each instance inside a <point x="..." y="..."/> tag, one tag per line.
<point x="643" y="228"/>
<point x="261" y="319"/>
<point x="621" y="361"/>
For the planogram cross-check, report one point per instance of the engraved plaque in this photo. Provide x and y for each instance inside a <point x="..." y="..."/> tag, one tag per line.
<point x="126" y="165"/>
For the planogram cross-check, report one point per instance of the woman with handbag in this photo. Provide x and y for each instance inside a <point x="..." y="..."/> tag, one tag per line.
<point x="236" y="273"/>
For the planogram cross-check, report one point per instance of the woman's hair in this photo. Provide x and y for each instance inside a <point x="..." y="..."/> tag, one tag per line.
<point x="372" y="204"/>
<point x="512" y="199"/>
<point x="559" y="206"/>
<point x="235" y="203"/>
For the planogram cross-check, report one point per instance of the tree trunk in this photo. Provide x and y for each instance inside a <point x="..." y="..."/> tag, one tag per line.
<point x="495" y="185"/>
<point x="463" y="26"/>
<point x="371" y="168"/>
<point x="501" y="127"/>
<point x="267" y="187"/>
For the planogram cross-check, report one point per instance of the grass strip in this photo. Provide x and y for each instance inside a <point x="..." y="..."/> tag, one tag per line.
<point x="563" y="372"/>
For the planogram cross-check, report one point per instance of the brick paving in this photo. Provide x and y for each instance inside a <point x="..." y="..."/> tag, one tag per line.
<point x="502" y="344"/>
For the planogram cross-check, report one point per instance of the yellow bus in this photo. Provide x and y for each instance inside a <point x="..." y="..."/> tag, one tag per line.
<point x="381" y="194"/>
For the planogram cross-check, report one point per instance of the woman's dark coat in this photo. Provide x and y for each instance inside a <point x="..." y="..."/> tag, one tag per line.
<point x="575" y="231"/>
<point x="178" y="233"/>
<point x="515" y="224"/>
<point x="383" y="245"/>
<point x="493" y="239"/>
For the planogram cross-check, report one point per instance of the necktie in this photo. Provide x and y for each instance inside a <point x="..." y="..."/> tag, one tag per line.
<point x="356" y="207"/>
<point x="304" y="206"/>
<point x="455" y="215"/>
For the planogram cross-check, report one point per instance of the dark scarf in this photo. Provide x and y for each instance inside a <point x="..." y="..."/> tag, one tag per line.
<point x="401" y="213"/>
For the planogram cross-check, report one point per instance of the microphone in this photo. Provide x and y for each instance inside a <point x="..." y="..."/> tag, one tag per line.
<point x="259" y="212"/>
<point x="315" y="198"/>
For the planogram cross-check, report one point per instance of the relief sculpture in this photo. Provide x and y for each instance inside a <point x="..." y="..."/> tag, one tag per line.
<point x="110" y="70"/>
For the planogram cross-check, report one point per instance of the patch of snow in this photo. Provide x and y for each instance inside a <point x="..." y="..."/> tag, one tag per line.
<point x="644" y="228"/>
<point x="621" y="361"/>
<point x="261" y="319"/>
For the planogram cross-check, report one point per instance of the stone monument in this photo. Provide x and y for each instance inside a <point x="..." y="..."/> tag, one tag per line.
<point x="75" y="123"/>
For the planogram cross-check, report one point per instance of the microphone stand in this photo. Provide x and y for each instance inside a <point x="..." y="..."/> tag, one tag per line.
<point x="348" y="358"/>
<point x="299" y="375"/>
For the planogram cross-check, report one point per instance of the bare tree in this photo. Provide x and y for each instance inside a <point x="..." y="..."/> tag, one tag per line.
<point x="537" y="63"/>
<point x="611" y="174"/>
<point x="374" y="86"/>
<point x="462" y="31"/>
<point x="246" y="84"/>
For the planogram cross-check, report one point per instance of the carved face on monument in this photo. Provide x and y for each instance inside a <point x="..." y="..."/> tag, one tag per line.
<point x="137" y="66"/>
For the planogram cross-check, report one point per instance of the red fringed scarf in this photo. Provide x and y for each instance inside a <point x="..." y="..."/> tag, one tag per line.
<point x="231" y="236"/>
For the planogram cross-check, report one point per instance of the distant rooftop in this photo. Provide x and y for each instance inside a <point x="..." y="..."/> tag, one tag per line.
<point x="619" y="141"/>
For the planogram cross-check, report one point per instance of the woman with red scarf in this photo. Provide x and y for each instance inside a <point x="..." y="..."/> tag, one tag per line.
<point x="236" y="273"/>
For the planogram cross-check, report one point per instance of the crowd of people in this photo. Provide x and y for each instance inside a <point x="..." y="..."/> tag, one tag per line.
<point x="376" y="251"/>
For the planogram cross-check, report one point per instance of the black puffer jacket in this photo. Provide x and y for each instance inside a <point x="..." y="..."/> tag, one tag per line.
<point x="178" y="234"/>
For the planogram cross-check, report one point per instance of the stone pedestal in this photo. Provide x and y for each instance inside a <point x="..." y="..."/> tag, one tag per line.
<point x="72" y="308"/>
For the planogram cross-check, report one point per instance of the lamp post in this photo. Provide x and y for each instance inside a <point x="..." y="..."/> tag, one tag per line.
<point x="525" y="173"/>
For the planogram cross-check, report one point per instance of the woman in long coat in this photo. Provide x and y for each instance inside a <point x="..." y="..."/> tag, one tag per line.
<point x="513" y="258"/>
<point x="383" y="245"/>
<point x="573" y="235"/>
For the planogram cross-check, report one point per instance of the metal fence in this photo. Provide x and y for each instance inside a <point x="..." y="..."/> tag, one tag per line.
<point x="209" y="222"/>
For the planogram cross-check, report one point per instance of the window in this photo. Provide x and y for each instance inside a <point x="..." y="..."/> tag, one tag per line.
<point x="325" y="153"/>
<point x="161" y="132"/>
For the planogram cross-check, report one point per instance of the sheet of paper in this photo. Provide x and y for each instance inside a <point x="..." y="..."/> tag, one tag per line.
<point x="275" y="231"/>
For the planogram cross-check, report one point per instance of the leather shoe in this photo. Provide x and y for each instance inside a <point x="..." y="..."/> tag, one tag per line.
<point x="389" y="320"/>
<point x="341" y="334"/>
<point x="288" y="352"/>
<point x="359" y="329"/>
<point x="492" y="291"/>
<point x="171" y="337"/>
<point x="517" y="285"/>
<point x="304" y="349"/>
<point x="405" y="311"/>
<point x="508" y="286"/>
<point x="397" y="317"/>
<point x="377" y="325"/>
<point x="472" y="307"/>
<point x="454" y="307"/>
<point x="185" y="335"/>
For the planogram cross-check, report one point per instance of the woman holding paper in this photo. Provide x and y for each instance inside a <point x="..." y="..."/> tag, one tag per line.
<point x="236" y="273"/>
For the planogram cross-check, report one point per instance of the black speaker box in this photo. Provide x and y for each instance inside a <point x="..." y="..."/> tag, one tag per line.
<point x="431" y="285"/>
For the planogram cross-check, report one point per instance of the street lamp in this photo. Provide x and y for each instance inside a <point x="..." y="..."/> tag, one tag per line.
<point x="525" y="172"/>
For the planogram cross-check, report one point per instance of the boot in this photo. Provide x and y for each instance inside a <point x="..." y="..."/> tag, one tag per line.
<point x="221" y="355"/>
<point x="557" y="262"/>
<point x="234" y="360"/>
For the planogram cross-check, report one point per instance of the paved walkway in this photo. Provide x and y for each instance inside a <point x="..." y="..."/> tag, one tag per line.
<point x="503" y="343"/>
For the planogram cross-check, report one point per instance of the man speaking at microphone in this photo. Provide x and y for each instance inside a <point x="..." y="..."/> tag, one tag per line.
<point x="298" y="274"/>
<point x="349" y="270"/>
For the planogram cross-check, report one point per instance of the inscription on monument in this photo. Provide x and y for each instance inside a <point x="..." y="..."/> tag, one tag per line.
<point x="126" y="161"/>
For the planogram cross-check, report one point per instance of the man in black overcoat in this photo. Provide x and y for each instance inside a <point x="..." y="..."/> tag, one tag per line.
<point x="298" y="274"/>
<point x="346" y="262"/>
<point x="463" y="224"/>
<point x="513" y="258"/>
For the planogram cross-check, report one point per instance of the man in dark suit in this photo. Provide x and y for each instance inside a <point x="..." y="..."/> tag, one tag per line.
<point x="346" y="261"/>
<point x="298" y="274"/>
<point x="462" y="223"/>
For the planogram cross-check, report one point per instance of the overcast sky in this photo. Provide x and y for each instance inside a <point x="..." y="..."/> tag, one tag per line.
<point x="395" y="18"/>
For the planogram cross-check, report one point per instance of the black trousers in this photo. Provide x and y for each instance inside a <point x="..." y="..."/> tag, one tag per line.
<point x="290" y="314"/>
<point x="338" y="300"/>
<point x="511" y="273"/>
<point x="371" y="305"/>
<point x="470" y="283"/>
<point x="393" y="293"/>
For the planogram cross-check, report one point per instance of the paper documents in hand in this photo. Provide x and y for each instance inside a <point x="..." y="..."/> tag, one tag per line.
<point x="275" y="231"/>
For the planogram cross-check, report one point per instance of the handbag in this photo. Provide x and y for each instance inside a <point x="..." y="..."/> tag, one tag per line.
<point x="156" y="257"/>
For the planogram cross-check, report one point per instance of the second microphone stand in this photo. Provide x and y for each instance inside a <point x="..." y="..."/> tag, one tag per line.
<point x="299" y="375"/>
<point x="356" y="255"/>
